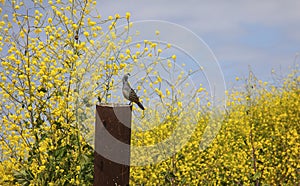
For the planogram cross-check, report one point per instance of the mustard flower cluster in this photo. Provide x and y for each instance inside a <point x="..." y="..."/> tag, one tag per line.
<point x="57" y="58"/>
<point x="48" y="50"/>
<point x="258" y="143"/>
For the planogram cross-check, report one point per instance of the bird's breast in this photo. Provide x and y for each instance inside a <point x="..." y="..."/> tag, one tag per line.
<point x="125" y="93"/>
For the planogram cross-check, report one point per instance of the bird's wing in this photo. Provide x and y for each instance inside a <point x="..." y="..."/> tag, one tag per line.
<point x="133" y="97"/>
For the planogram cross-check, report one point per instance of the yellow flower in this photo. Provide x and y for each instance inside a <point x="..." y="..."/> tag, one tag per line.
<point x="110" y="18"/>
<point x="167" y="92"/>
<point x="50" y="20"/>
<point x="159" y="92"/>
<point x="127" y="15"/>
<point x="117" y="16"/>
<point x="153" y="45"/>
<point x="41" y="168"/>
<point x="122" y="65"/>
<point x="200" y="89"/>
<point x="159" y="79"/>
<point x="86" y="34"/>
<point x="174" y="57"/>
<point x="75" y="26"/>
<point x="179" y="103"/>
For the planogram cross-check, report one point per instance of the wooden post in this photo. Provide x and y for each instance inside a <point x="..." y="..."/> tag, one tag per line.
<point x="112" y="145"/>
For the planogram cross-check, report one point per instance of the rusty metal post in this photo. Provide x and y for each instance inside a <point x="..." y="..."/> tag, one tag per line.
<point x="112" y="145"/>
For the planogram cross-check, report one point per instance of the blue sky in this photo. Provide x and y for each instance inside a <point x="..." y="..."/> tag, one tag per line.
<point x="262" y="34"/>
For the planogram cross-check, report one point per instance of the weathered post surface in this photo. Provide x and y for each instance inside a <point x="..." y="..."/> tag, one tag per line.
<point x="112" y="145"/>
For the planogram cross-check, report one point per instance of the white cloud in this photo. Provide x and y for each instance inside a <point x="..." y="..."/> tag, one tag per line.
<point x="223" y="24"/>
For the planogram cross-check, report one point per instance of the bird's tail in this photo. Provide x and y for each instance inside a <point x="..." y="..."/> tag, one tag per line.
<point x="140" y="105"/>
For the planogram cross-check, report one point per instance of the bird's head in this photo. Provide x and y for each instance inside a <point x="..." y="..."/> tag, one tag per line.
<point x="125" y="77"/>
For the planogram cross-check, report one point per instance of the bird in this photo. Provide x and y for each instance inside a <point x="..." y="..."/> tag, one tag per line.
<point x="129" y="93"/>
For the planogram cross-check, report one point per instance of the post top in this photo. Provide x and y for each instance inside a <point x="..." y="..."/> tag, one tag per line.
<point x="113" y="105"/>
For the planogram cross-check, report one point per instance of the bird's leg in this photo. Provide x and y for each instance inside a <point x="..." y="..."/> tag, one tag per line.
<point x="99" y="99"/>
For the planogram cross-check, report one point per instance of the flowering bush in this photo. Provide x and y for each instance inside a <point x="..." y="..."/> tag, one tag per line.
<point x="48" y="52"/>
<point x="258" y="142"/>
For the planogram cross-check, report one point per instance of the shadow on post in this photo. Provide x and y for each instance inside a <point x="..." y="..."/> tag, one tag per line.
<point x="112" y="144"/>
